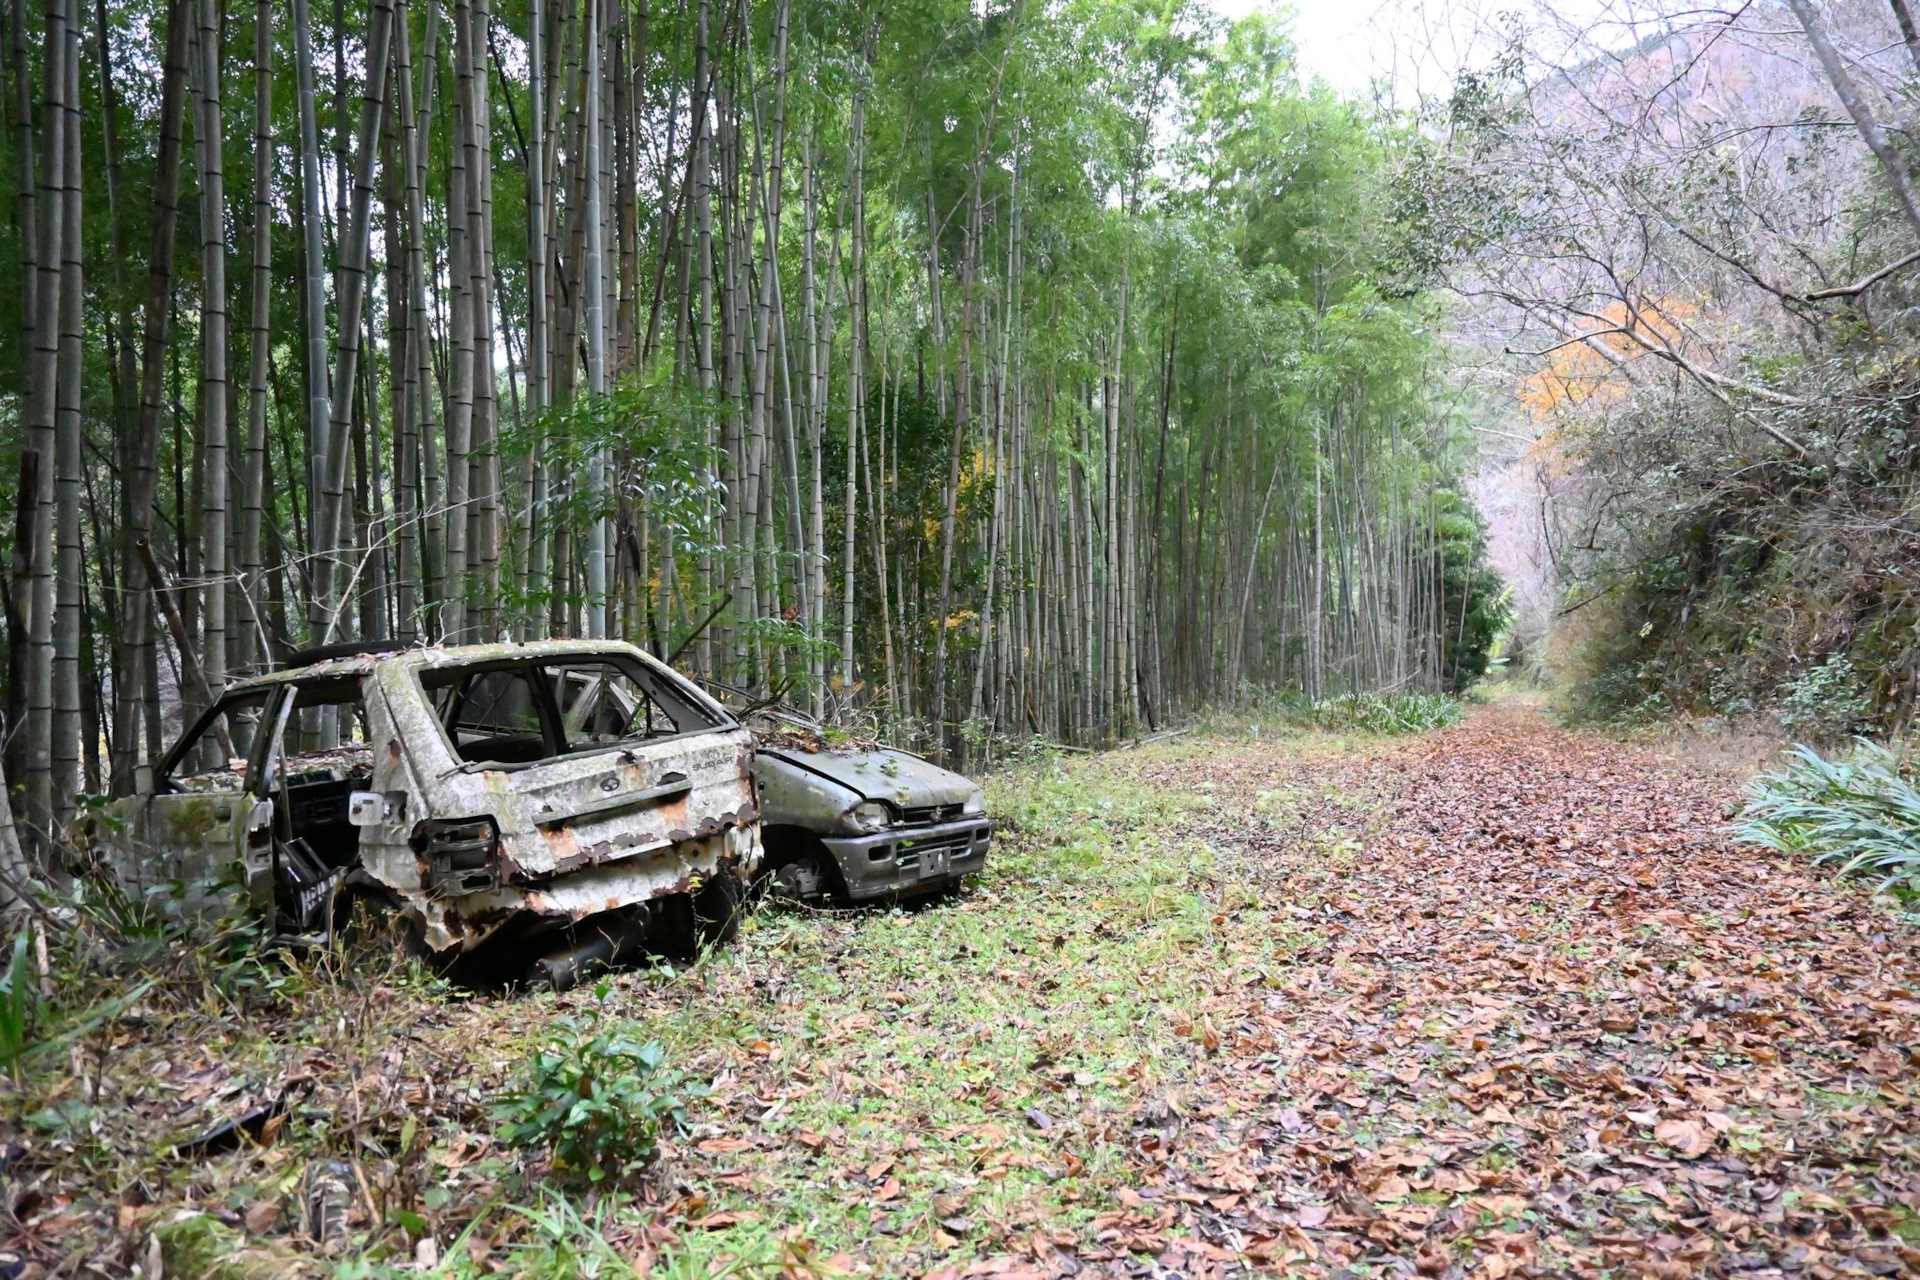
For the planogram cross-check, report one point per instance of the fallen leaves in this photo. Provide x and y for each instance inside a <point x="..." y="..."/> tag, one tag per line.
<point x="1620" y="1019"/>
<point x="1499" y="1002"/>
<point x="1629" y="1034"/>
<point x="1689" y="1138"/>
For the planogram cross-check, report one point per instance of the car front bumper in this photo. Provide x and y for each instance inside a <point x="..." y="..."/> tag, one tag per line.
<point x="907" y="860"/>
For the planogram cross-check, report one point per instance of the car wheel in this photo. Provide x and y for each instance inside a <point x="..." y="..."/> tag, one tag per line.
<point x="367" y="916"/>
<point x="800" y="882"/>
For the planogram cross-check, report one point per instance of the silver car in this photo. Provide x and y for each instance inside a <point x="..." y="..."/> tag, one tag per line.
<point x="854" y="826"/>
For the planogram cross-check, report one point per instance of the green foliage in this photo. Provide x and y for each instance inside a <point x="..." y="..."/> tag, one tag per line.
<point x="1618" y="695"/>
<point x="1860" y="813"/>
<point x="1827" y="701"/>
<point x="595" y="1099"/>
<point x="31" y="1025"/>
<point x="1709" y="615"/>
<point x="1475" y="605"/>
<point x="19" y="1006"/>
<point x="1388" y="714"/>
<point x="651" y="430"/>
<point x="1452" y="197"/>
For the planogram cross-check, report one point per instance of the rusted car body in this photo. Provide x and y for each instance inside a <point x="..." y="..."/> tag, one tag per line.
<point x="567" y="803"/>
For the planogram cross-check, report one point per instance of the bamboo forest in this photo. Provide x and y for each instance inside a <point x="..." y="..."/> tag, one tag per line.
<point x="959" y="639"/>
<point x="990" y="372"/>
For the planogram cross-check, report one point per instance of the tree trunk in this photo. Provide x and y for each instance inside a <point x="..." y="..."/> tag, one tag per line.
<point x="70" y="620"/>
<point x="593" y="298"/>
<point x="142" y="483"/>
<point x="329" y="508"/>
<point x="259" y="344"/>
<point x="319" y="398"/>
<point x="211" y="136"/>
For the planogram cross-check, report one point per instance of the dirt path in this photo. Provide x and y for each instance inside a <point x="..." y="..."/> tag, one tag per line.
<point x="1545" y="1017"/>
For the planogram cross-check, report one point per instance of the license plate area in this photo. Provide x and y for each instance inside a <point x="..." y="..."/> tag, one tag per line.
<point x="932" y="859"/>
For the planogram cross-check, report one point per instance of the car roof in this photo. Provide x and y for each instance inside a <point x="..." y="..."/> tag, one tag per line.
<point x="455" y="655"/>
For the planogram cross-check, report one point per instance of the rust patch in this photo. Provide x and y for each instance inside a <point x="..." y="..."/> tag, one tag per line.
<point x="561" y="842"/>
<point x="683" y="885"/>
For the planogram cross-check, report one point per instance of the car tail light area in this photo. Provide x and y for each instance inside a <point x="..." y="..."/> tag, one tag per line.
<point x="458" y="856"/>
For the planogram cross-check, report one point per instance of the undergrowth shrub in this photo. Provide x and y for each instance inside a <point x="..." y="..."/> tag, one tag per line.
<point x="1826" y="702"/>
<point x="33" y="1026"/>
<point x="19" y="1007"/>
<point x="1860" y="813"/>
<point x="1713" y="573"/>
<point x="596" y="1100"/>
<point x="1387" y="713"/>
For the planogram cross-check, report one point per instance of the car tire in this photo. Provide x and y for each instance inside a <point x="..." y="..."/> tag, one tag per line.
<point x="369" y="915"/>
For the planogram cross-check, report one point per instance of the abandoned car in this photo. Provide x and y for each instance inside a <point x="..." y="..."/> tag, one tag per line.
<point x="538" y="810"/>
<point x="856" y="825"/>
<point x="852" y="826"/>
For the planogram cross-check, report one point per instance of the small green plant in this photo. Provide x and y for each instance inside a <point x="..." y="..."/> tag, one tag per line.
<point x="1860" y="812"/>
<point x="19" y="1006"/>
<point x="595" y="1099"/>
<point x="1825" y="702"/>
<point x="1388" y="713"/>
<point x="31" y="1026"/>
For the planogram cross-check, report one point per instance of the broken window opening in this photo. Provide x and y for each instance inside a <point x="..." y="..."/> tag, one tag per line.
<point x="526" y="712"/>
<point x="602" y="705"/>
<point x="216" y="752"/>
<point x="492" y="715"/>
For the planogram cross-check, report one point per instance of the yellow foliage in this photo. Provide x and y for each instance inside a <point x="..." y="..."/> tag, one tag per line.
<point x="1591" y="372"/>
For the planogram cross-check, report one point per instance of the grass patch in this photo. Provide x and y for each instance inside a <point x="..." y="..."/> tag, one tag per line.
<point x="1290" y="715"/>
<point x="1388" y="714"/>
<point x="914" y="1086"/>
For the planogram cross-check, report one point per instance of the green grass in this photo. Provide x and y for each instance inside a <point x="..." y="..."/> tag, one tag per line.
<point x="1009" y="1033"/>
<point x="1859" y="813"/>
<point x="1388" y="714"/>
<point x="914" y="1086"/>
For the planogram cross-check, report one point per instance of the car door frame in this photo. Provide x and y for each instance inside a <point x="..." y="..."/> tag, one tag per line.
<point x="174" y="842"/>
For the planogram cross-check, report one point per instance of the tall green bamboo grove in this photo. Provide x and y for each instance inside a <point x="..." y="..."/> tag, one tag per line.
<point x="988" y="369"/>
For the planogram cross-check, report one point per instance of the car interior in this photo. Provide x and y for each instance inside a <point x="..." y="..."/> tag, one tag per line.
<point x="517" y="713"/>
<point x="325" y="757"/>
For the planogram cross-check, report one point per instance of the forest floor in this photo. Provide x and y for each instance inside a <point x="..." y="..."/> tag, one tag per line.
<point x="1495" y="1000"/>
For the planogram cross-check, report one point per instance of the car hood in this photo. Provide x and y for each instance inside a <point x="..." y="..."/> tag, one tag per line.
<point x="898" y="778"/>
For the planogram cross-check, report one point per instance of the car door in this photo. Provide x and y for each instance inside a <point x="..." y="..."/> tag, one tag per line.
<point x="190" y="831"/>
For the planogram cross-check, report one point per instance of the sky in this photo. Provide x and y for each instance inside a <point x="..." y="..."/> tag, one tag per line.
<point x="1330" y="34"/>
<point x="1414" y="47"/>
<point x="1350" y="43"/>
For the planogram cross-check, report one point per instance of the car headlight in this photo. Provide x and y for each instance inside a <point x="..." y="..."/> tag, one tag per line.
<point x="976" y="803"/>
<point x="871" y="815"/>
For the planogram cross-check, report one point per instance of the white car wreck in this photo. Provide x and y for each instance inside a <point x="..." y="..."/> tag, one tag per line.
<point x="533" y="811"/>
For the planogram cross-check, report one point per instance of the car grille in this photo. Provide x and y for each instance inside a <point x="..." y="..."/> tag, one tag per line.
<point x="928" y="815"/>
<point x="911" y="851"/>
